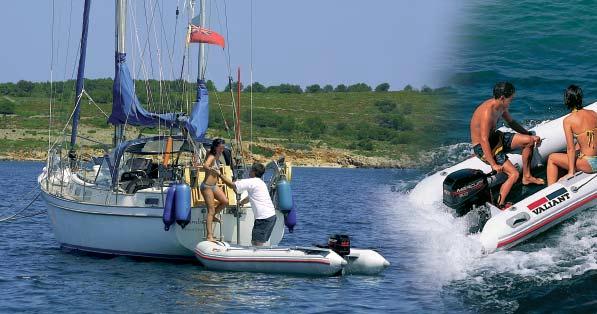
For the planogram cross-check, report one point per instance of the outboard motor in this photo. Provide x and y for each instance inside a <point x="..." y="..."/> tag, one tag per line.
<point x="464" y="189"/>
<point x="339" y="243"/>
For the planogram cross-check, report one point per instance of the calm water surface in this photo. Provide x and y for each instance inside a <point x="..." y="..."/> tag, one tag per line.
<point x="435" y="267"/>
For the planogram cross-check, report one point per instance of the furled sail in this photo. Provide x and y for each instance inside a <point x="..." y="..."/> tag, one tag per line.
<point x="197" y="123"/>
<point x="199" y="34"/>
<point x="126" y="108"/>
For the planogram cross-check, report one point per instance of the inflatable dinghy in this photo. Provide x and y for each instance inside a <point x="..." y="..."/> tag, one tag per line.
<point x="430" y="190"/>
<point x="310" y="261"/>
<point x="469" y="185"/>
<point x="539" y="212"/>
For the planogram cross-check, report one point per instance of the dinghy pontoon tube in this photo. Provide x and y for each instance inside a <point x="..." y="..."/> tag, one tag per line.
<point x="310" y="261"/>
<point x="539" y="212"/>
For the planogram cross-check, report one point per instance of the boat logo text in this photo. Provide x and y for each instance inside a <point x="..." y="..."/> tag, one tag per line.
<point x="549" y="201"/>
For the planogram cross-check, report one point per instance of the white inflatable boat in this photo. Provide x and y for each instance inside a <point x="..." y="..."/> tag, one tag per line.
<point x="311" y="261"/>
<point x="466" y="185"/>
<point x="539" y="212"/>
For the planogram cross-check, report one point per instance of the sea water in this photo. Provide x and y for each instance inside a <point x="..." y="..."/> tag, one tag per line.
<point x="434" y="265"/>
<point x="540" y="46"/>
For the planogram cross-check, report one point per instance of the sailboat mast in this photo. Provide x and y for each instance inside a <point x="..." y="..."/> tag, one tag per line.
<point x="80" y="79"/>
<point x="201" y="63"/>
<point x="120" y="40"/>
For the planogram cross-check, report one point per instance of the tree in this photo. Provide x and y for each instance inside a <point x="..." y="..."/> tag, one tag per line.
<point x="7" y="88"/>
<point x="383" y="87"/>
<point x="408" y="88"/>
<point x="272" y="89"/>
<point x="24" y="88"/>
<point x="257" y="88"/>
<point x="328" y="88"/>
<point x="315" y="88"/>
<point x="359" y="87"/>
<point x="290" y="89"/>
<point x="341" y="88"/>
<point x="211" y="86"/>
<point x="234" y="86"/>
<point x="426" y="89"/>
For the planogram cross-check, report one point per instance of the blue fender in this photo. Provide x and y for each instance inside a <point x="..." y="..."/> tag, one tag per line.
<point x="168" y="217"/>
<point x="284" y="191"/>
<point x="182" y="204"/>
<point x="290" y="219"/>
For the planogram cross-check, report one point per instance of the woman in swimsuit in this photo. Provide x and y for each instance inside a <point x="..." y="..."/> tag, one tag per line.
<point x="580" y="124"/>
<point x="209" y="188"/>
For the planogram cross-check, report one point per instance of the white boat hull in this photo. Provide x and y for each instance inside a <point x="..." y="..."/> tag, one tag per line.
<point x="133" y="230"/>
<point x="309" y="261"/>
<point x="539" y="212"/>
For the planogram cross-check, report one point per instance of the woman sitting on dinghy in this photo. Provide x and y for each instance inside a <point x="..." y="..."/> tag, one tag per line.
<point x="582" y="125"/>
<point x="209" y="189"/>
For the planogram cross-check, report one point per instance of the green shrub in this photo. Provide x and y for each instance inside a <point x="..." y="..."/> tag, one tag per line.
<point x="314" y="126"/>
<point x="6" y="107"/>
<point x="287" y="125"/>
<point x="361" y="145"/>
<point x="398" y="123"/>
<point x="342" y="126"/>
<point x="385" y="106"/>
<point x="298" y="146"/>
<point x="263" y="151"/>
<point x="406" y="109"/>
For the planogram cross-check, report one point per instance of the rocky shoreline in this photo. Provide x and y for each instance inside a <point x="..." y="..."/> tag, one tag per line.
<point x="332" y="158"/>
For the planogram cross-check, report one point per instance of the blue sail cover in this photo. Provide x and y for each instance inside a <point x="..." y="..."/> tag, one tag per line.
<point x="126" y="108"/>
<point x="197" y="123"/>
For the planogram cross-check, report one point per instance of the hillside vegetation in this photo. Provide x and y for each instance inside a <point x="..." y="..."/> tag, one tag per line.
<point x="393" y="125"/>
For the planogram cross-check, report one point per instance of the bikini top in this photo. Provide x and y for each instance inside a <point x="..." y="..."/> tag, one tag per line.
<point x="217" y="164"/>
<point x="589" y="133"/>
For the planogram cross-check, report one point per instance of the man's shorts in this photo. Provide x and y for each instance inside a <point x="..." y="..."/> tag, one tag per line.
<point x="500" y="143"/>
<point x="262" y="229"/>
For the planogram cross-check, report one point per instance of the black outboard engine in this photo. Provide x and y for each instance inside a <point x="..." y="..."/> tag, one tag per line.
<point x="464" y="189"/>
<point x="339" y="243"/>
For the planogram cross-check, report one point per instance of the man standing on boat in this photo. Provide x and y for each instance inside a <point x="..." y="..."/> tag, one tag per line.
<point x="261" y="202"/>
<point x="491" y="145"/>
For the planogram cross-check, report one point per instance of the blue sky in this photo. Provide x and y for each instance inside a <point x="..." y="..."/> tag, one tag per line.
<point x="300" y="42"/>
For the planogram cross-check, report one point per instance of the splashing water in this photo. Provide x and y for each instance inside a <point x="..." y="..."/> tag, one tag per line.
<point x="452" y="262"/>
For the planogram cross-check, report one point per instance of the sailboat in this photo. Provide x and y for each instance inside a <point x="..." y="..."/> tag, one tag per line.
<point x="114" y="203"/>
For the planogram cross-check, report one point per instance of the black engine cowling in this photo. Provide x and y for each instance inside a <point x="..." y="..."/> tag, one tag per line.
<point x="465" y="188"/>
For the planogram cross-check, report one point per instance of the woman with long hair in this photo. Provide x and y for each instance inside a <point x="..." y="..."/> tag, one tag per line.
<point x="209" y="188"/>
<point x="581" y="125"/>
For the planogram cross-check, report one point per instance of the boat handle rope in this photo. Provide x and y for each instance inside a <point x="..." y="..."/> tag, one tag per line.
<point x="575" y="189"/>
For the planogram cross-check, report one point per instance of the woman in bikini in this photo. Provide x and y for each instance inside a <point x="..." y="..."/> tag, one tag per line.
<point x="581" y="125"/>
<point x="209" y="188"/>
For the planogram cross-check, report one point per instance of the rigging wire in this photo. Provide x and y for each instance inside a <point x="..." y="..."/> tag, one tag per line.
<point x="251" y="86"/>
<point x="51" y="78"/>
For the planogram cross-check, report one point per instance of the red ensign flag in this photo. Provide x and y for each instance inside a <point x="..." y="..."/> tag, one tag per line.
<point x="203" y="35"/>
